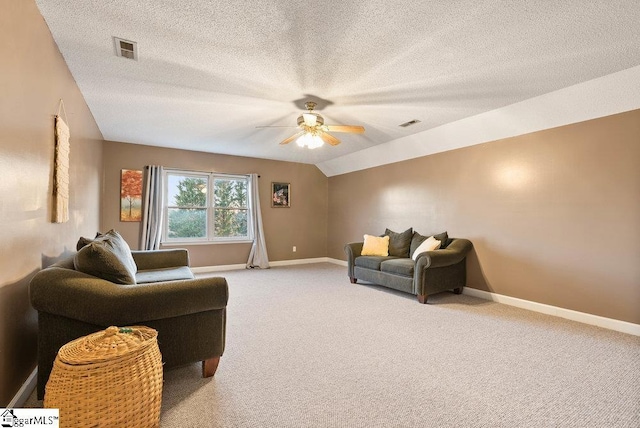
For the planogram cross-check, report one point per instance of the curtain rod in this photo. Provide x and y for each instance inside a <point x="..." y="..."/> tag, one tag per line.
<point x="196" y="170"/>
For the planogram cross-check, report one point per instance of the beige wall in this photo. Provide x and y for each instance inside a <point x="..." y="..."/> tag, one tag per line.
<point x="304" y="225"/>
<point x="34" y="78"/>
<point x="554" y="216"/>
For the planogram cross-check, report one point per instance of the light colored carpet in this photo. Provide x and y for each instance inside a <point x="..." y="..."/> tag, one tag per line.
<point x="305" y="348"/>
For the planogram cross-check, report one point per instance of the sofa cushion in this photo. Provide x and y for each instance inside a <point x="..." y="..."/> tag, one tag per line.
<point x="429" y="244"/>
<point x="166" y="274"/>
<point x="401" y="266"/>
<point x="107" y="257"/>
<point x="418" y="239"/>
<point x="375" y="246"/>
<point x="371" y="262"/>
<point x="399" y="243"/>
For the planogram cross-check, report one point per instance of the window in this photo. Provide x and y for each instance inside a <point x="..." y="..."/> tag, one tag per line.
<point x="203" y="207"/>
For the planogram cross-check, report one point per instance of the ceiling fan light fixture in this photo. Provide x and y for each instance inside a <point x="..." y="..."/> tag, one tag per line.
<point x="309" y="140"/>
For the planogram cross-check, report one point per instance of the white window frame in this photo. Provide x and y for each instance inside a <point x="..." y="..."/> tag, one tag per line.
<point x="210" y="237"/>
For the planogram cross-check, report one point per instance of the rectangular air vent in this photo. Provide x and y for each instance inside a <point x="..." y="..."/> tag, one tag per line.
<point x="411" y="122"/>
<point x="126" y="48"/>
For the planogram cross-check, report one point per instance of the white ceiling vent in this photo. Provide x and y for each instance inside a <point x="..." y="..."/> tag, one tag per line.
<point x="411" y="122"/>
<point x="126" y="48"/>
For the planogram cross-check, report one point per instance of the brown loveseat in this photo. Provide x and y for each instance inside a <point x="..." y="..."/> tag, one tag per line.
<point x="188" y="313"/>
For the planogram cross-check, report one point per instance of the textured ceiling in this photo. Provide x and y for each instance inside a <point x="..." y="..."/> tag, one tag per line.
<point x="209" y="72"/>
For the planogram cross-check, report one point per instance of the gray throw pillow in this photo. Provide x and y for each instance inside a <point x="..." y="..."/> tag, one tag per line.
<point x="399" y="243"/>
<point x="85" y="241"/>
<point x="416" y="240"/>
<point x="419" y="239"/>
<point x="443" y="238"/>
<point x="107" y="257"/>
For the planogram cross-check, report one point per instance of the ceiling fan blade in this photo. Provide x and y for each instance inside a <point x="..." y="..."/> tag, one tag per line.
<point x="346" y="128"/>
<point x="293" y="137"/>
<point x="329" y="139"/>
<point x="310" y="119"/>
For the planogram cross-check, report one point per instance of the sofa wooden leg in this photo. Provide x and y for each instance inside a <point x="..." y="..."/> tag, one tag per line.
<point x="353" y="280"/>
<point x="422" y="298"/>
<point x="457" y="290"/>
<point x="210" y="366"/>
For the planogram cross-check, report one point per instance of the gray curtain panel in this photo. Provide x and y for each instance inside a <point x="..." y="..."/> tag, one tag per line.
<point x="152" y="212"/>
<point x="258" y="256"/>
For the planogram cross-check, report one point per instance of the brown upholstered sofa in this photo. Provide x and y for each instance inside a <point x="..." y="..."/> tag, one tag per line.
<point x="188" y="313"/>
<point x="431" y="271"/>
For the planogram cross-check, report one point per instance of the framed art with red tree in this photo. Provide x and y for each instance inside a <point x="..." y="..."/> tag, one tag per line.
<point x="130" y="195"/>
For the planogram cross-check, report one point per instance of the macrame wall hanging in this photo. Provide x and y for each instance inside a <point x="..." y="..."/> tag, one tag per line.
<point x="61" y="169"/>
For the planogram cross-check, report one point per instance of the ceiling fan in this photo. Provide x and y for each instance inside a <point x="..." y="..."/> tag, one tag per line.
<point x="313" y="132"/>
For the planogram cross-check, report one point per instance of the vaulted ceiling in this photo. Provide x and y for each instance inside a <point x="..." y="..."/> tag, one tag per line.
<point x="209" y="73"/>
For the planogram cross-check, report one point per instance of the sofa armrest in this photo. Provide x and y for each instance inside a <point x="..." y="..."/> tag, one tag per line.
<point x="83" y="297"/>
<point x="158" y="259"/>
<point x="455" y="252"/>
<point x="352" y="250"/>
<point x="446" y="258"/>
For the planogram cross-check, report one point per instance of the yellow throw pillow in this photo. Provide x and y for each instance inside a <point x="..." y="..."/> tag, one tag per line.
<point x="429" y="244"/>
<point x="375" y="246"/>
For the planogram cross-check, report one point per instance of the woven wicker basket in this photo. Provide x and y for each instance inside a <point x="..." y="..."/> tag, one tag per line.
<point x="112" y="378"/>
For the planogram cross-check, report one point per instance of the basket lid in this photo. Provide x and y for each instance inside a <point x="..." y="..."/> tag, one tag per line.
<point x="112" y="343"/>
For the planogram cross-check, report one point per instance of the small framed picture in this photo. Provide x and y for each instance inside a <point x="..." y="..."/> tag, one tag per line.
<point x="280" y="195"/>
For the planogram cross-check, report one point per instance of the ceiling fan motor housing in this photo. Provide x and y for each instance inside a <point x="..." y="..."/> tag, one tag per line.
<point x="319" y="119"/>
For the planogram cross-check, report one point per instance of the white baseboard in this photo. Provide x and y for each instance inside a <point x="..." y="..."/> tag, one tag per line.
<point x="25" y="391"/>
<point x="299" y="261"/>
<point x="206" y="269"/>
<point x="608" y="323"/>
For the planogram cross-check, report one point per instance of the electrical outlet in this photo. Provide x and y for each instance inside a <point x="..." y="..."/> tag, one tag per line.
<point x="294" y="248"/>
